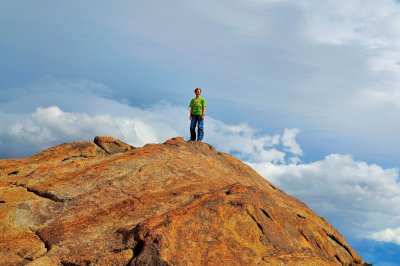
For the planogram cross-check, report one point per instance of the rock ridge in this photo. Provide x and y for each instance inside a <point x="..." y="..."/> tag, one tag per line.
<point x="178" y="203"/>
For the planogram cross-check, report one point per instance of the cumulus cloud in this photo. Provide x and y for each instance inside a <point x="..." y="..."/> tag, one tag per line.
<point x="50" y="126"/>
<point x="24" y="134"/>
<point x="357" y="197"/>
<point x="245" y="142"/>
<point x="291" y="145"/>
<point x="51" y="111"/>
<point x="388" y="235"/>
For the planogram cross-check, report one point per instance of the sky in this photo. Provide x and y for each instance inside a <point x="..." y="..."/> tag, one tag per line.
<point x="306" y="92"/>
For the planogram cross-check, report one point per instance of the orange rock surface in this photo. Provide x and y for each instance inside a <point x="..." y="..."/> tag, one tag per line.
<point x="177" y="203"/>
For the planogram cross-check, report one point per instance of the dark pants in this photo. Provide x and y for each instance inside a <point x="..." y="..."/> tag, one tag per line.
<point x="196" y="120"/>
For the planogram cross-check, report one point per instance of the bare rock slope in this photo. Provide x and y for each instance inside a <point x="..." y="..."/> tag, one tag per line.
<point x="177" y="203"/>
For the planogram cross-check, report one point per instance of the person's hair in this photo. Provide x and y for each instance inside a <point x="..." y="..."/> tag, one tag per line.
<point x="197" y="89"/>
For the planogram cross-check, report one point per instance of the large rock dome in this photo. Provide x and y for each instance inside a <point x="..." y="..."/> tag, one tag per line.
<point x="177" y="203"/>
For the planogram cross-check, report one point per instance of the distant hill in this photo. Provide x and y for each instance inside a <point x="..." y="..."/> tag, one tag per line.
<point x="178" y="203"/>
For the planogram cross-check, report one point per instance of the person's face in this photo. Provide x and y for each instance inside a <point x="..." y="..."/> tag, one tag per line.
<point x="197" y="93"/>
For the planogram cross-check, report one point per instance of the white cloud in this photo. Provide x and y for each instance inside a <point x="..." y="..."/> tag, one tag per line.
<point x="291" y="145"/>
<point x="24" y="134"/>
<point x="50" y="126"/>
<point x="77" y="110"/>
<point x="245" y="142"/>
<point x="388" y="235"/>
<point x="358" y="197"/>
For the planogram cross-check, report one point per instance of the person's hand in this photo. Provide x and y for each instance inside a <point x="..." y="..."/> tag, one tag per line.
<point x="202" y="117"/>
<point x="190" y="117"/>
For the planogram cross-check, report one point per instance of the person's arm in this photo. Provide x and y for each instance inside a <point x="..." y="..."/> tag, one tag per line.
<point x="190" y="109"/>
<point x="204" y="112"/>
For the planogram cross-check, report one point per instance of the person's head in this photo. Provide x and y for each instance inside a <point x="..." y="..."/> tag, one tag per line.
<point x="197" y="92"/>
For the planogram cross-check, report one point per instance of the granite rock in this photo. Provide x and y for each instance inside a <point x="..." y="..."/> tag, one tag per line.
<point x="176" y="203"/>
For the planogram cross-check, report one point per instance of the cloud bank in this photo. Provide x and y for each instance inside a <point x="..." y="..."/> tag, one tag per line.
<point x="24" y="134"/>
<point x="388" y="235"/>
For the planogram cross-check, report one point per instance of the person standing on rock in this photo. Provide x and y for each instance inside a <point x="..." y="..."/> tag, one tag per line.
<point x="197" y="112"/>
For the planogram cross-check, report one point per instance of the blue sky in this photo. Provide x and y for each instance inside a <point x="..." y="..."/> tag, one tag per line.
<point x="306" y="92"/>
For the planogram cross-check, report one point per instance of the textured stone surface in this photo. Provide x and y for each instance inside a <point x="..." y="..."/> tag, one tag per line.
<point x="111" y="145"/>
<point x="177" y="203"/>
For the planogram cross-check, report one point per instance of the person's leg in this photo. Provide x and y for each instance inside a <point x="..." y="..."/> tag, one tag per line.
<point x="193" y="128"/>
<point x="200" y="129"/>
